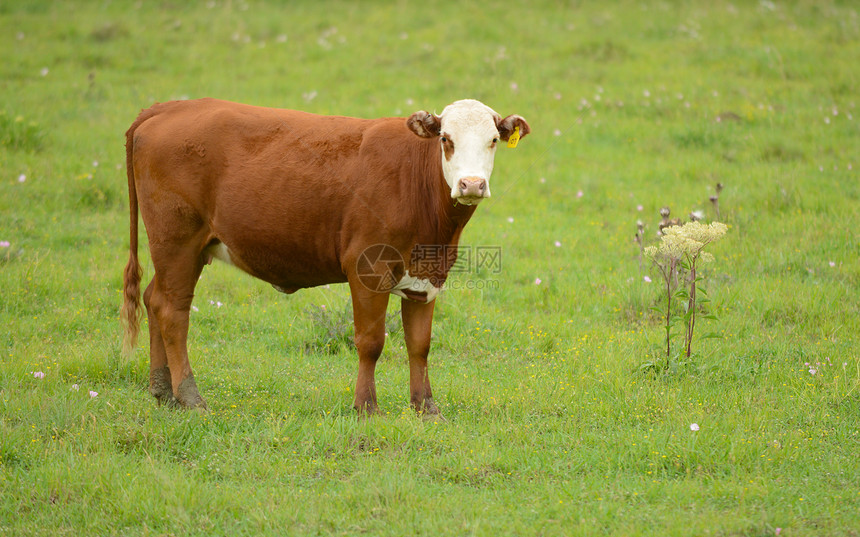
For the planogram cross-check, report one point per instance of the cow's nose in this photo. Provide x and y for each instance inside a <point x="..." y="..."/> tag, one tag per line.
<point x="472" y="187"/>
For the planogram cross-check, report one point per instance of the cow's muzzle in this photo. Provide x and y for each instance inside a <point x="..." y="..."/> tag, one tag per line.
<point x="471" y="190"/>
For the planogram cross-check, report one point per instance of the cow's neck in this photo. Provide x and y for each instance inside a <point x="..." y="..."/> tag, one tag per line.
<point x="447" y="218"/>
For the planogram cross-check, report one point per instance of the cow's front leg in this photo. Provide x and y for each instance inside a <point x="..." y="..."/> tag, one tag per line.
<point x="417" y="324"/>
<point x="368" y="308"/>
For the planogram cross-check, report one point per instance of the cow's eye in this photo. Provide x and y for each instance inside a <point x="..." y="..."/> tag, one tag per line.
<point x="495" y="140"/>
<point x="443" y="139"/>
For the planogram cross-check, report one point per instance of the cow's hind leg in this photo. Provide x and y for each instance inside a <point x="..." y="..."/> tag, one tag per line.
<point x="417" y="323"/>
<point x="169" y="303"/>
<point x="160" y="385"/>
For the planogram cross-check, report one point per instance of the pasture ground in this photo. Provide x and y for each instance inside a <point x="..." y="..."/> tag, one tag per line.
<point x="562" y="417"/>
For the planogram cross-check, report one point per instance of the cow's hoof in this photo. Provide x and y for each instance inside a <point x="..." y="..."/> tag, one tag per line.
<point x="168" y="401"/>
<point x="428" y="410"/>
<point x="160" y="388"/>
<point x="367" y="410"/>
<point x="188" y="396"/>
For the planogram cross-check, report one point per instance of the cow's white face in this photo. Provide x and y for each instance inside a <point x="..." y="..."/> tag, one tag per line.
<point x="468" y="137"/>
<point x="468" y="132"/>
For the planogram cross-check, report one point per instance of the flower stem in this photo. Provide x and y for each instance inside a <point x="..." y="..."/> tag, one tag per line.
<point x="668" y="319"/>
<point x="691" y="310"/>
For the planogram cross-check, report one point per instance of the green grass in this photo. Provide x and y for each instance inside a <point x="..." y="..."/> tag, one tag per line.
<point x="553" y="426"/>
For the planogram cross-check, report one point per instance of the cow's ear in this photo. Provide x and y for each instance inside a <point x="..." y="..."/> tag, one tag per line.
<point x="424" y="124"/>
<point x="506" y="126"/>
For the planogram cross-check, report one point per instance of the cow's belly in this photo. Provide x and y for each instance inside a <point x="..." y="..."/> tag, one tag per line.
<point x="290" y="274"/>
<point x="287" y="269"/>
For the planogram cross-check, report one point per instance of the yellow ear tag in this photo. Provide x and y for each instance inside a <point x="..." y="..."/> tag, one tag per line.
<point x="515" y="138"/>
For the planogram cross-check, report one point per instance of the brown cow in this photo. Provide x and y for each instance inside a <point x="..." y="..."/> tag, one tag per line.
<point x="300" y="200"/>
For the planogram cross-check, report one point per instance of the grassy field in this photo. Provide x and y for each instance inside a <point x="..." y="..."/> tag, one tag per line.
<point x="563" y="417"/>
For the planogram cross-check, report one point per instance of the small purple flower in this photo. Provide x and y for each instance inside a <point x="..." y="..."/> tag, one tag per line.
<point x="812" y="371"/>
<point x="22" y="178"/>
<point x="537" y="281"/>
<point x="647" y="279"/>
<point x="832" y="263"/>
<point x="93" y="394"/>
<point x="5" y="244"/>
<point x="558" y="244"/>
<point x="694" y="427"/>
<point x="76" y="387"/>
<point x="579" y="194"/>
<point x="38" y="374"/>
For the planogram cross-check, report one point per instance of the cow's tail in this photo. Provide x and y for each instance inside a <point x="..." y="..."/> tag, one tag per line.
<point x="131" y="313"/>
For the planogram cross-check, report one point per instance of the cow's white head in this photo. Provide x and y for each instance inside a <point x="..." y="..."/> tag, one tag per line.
<point x="468" y="132"/>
